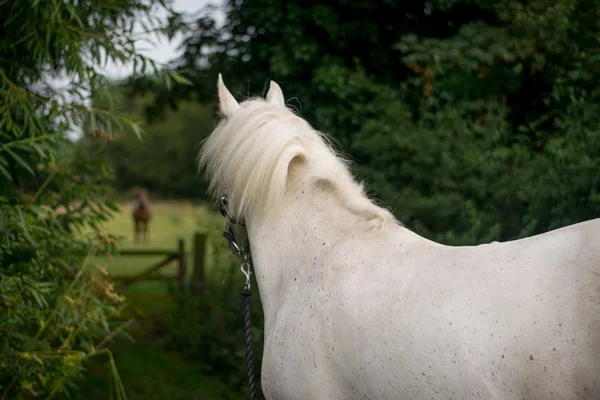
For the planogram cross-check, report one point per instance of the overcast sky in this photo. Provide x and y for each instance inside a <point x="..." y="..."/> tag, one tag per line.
<point x="162" y="50"/>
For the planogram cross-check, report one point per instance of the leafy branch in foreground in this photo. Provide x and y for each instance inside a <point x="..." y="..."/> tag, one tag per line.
<point x="54" y="312"/>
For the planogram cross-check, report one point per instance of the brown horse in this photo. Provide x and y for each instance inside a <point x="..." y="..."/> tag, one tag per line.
<point x="142" y="213"/>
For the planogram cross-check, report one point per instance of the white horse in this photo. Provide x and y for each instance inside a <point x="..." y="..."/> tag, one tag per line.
<point x="357" y="306"/>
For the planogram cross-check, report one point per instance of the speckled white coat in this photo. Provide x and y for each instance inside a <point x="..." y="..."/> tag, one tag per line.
<point x="390" y="315"/>
<point x="357" y="312"/>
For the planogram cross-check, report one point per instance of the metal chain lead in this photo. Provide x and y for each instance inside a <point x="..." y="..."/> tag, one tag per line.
<point x="246" y="269"/>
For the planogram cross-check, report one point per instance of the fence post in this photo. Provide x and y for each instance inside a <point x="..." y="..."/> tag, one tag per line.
<point x="181" y="267"/>
<point x="199" y="257"/>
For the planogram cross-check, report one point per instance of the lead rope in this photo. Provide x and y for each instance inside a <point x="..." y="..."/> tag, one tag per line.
<point x="246" y="269"/>
<point x="246" y="293"/>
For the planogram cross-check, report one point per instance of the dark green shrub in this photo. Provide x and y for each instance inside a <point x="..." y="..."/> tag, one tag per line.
<point x="54" y="313"/>
<point x="209" y="328"/>
<point x="475" y="120"/>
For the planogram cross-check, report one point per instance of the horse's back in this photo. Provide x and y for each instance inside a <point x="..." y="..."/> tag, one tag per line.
<point x="390" y="315"/>
<point x="556" y="285"/>
<point x="540" y="298"/>
<point x="505" y="320"/>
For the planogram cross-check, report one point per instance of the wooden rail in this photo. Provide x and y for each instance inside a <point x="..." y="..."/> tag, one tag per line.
<point x="179" y="255"/>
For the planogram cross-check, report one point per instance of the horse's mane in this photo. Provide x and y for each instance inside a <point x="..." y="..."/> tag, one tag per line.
<point x="250" y="154"/>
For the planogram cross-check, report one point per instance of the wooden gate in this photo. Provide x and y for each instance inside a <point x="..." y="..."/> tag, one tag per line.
<point x="178" y="256"/>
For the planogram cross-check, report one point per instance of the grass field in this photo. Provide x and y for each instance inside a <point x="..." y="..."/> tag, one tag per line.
<point x="171" y="221"/>
<point x="148" y="371"/>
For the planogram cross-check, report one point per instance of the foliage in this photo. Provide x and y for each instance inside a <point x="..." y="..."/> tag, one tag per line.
<point x="316" y="52"/>
<point x="523" y="101"/>
<point x="146" y="368"/>
<point x="209" y="328"/>
<point x="174" y="139"/>
<point x="149" y="372"/>
<point x="474" y="119"/>
<point x="53" y="313"/>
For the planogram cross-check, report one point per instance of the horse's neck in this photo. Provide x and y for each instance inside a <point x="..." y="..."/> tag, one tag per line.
<point x="285" y="244"/>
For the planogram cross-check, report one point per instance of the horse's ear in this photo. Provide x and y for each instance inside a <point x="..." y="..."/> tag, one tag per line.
<point x="275" y="95"/>
<point x="227" y="103"/>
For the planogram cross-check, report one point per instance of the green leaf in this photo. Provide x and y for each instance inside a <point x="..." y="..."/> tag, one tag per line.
<point x="92" y="116"/>
<point x="136" y="129"/>
<point x="23" y="226"/>
<point x="5" y="172"/>
<point x="39" y="299"/>
<point x="22" y="162"/>
<point x="180" y="79"/>
<point x="75" y="15"/>
<point x="167" y="79"/>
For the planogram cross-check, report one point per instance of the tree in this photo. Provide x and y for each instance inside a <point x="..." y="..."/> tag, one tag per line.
<point x="465" y="116"/>
<point x="327" y="55"/>
<point x="53" y="313"/>
<point x="521" y="91"/>
<point x="174" y="140"/>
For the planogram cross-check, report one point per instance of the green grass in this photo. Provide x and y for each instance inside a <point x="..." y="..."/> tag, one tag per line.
<point x="148" y="371"/>
<point x="171" y="221"/>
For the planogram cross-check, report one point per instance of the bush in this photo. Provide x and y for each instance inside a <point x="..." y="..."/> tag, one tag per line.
<point x="53" y="313"/>
<point x="175" y="138"/>
<point x="209" y="328"/>
<point x="475" y="120"/>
